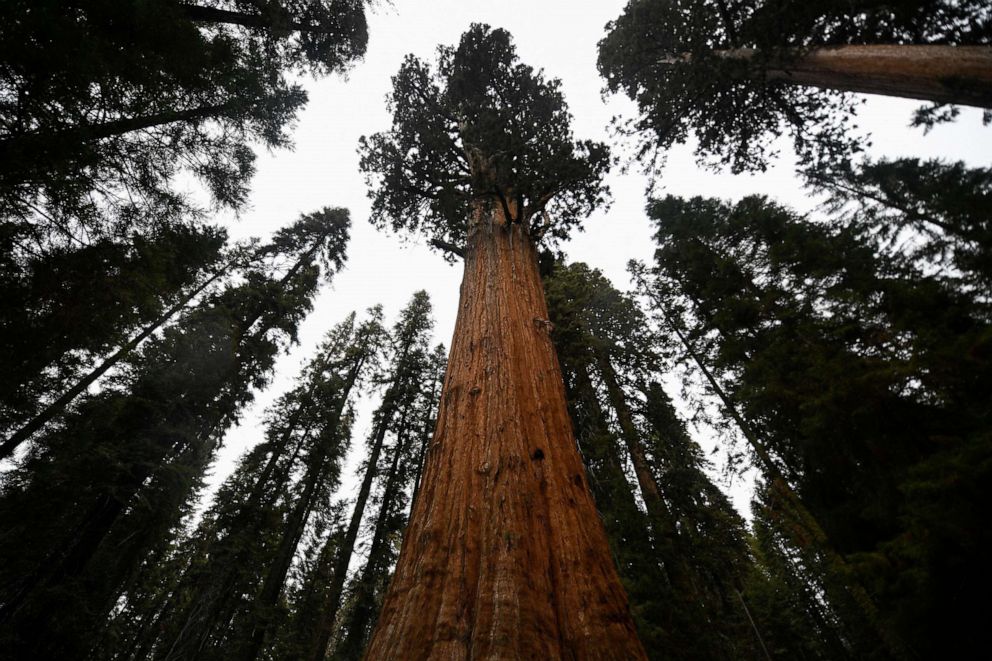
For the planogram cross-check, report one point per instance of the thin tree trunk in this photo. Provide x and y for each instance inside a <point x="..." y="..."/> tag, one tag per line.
<point x="355" y="639"/>
<point x="322" y="636"/>
<point x="505" y="555"/>
<point x="960" y="75"/>
<point x="790" y="499"/>
<point x="276" y="576"/>
<point x="662" y="519"/>
<point x="37" y="144"/>
<point x="427" y="430"/>
<point x="59" y="405"/>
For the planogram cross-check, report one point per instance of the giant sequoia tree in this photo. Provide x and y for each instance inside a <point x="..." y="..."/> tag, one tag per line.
<point x="504" y="554"/>
<point x="736" y="75"/>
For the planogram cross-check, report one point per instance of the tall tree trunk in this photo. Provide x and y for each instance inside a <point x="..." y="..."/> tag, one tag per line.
<point x="505" y="555"/>
<point x="427" y="429"/>
<point x="792" y="506"/>
<point x="59" y="405"/>
<point x="363" y="612"/>
<point x="662" y="519"/>
<point x="276" y="576"/>
<point x="322" y="636"/>
<point x="943" y="74"/>
<point x="38" y="145"/>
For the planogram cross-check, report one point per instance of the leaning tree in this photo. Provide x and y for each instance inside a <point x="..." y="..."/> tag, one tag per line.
<point x="504" y="555"/>
<point x="737" y="74"/>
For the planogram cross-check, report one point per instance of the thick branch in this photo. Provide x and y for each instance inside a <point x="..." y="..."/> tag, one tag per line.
<point x="449" y="247"/>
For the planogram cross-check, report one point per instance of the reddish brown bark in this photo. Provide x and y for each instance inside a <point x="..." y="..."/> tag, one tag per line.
<point x="505" y="555"/>
<point x="944" y="74"/>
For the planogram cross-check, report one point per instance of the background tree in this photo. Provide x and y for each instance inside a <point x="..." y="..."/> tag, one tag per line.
<point x="859" y="370"/>
<point x="480" y="159"/>
<point x="404" y="379"/>
<point x="737" y="75"/>
<point x="685" y="557"/>
<point x="71" y="304"/>
<point x="104" y="104"/>
<point x="107" y="485"/>
<point x="218" y="602"/>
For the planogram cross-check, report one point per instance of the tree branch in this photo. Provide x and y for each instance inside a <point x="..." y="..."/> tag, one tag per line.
<point x="448" y="247"/>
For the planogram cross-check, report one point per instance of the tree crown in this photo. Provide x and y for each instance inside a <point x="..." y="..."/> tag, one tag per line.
<point x="480" y="125"/>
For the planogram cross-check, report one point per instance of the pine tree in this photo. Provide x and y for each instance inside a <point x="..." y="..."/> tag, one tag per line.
<point x="480" y="159"/>
<point x="737" y="75"/>
<point x="403" y="379"/>
<point x="107" y="485"/>
<point x="239" y="538"/>
<point x="69" y="304"/>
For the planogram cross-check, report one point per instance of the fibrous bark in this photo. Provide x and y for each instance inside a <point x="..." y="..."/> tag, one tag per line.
<point x="505" y="555"/>
<point x="942" y="74"/>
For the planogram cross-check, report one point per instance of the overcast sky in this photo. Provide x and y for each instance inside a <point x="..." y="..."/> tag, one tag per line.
<point x="559" y="36"/>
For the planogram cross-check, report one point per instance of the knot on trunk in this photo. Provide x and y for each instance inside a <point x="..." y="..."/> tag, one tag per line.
<point x="544" y="324"/>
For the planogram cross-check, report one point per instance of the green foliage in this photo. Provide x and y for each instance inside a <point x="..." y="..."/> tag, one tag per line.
<point x="863" y="369"/>
<point x="700" y="69"/>
<point x="101" y="490"/>
<point x="105" y="103"/>
<point x="480" y="125"/>
<point x="70" y="303"/>
<point x="683" y="560"/>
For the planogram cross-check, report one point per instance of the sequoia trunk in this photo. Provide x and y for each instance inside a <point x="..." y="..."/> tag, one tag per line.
<point x="505" y="555"/>
<point x="942" y="74"/>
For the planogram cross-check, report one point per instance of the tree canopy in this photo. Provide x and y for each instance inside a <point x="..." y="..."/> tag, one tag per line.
<point x="717" y="71"/>
<point x="480" y="125"/>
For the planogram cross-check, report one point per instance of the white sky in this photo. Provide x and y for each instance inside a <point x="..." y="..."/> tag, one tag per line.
<point x="561" y="37"/>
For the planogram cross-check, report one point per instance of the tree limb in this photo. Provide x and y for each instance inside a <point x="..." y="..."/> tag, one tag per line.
<point x="448" y="247"/>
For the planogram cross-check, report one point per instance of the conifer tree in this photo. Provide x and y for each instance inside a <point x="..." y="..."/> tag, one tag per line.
<point x="68" y="304"/>
<point x="103" y="104"/>
<point x="403" y="379"/>
<point x="848" y="359"/>
<point x="112" y="480"/>
<point x="686" y="556"/>
<point x="481" y="161"/>
<point x="736" y="75"/>
<point x="217" y="601"/>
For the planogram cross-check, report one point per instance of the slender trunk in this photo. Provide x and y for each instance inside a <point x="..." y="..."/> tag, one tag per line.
<point x="427" y="429"/>
<point x="793" y="505"/>
<point x="662" y="519"/>
<point x="322" y="636"/>
<point x="505" y="555"/>
<point x="36" y="145"/>
<point x="960" y="75"/>
<point x="59" y="405"/>
<point x="355" y="639"/>
<point x="275" y="578"/>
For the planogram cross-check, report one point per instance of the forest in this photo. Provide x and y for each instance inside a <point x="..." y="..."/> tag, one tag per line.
<point x="305" y="354"/>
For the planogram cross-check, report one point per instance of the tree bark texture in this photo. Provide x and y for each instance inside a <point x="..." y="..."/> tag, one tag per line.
<point x="505" y="555"/>
<point x="943" y="74"/>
